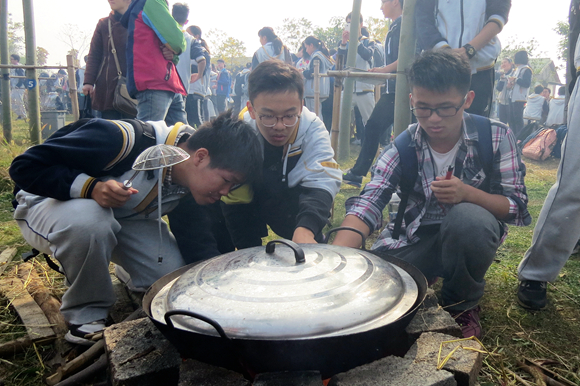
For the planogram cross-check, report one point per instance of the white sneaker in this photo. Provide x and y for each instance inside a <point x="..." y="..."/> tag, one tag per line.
<point x="77" y="332"/>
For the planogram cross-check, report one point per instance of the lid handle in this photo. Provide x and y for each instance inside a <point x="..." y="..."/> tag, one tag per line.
<point x="298" y="252"/>
<point x="333" y="230"/>
<point x="209" y="321"/>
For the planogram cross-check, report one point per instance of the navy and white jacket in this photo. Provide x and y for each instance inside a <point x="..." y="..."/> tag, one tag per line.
<point x="70" y="163"/>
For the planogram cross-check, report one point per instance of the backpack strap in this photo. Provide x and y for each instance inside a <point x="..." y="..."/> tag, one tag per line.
<point x="484" y="147"/>
<point x="408" y="162"/>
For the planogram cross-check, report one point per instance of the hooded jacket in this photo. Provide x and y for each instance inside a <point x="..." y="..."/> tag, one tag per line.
<point x="453" y="23"/>
<point x="151" y="26"/>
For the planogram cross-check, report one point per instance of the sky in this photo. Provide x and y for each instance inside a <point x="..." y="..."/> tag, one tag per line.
<point x="242" y="19"/>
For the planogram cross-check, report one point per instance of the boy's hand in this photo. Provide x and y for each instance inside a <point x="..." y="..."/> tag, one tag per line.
<point x="450" y="191"/>
<point x="345" y="37"/>
<point x="111" y="194"/>
<point x="303" y="236"/>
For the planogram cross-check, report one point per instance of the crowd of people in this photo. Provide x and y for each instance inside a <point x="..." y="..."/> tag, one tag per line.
<point x="270" y="162"/>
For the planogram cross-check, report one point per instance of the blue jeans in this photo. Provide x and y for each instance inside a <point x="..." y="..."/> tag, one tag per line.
<point x="160" y="105"/>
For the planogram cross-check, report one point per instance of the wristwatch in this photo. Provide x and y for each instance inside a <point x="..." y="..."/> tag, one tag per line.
<point x="469" y="50"/>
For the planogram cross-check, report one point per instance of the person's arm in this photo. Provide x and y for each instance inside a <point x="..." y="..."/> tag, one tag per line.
<point x="389" y="68"/>
<point x="65" y="166"/>
<point x="95" y="59"/>
<point x="454" y="191"/>
<point x="157" y="16"/>
<point x="365" y="212"/>
<point x="313" y="211"/>
<point x="364" y="51"/>
<point x="244" y="224"/>
<point x="428" y="36"/>
<point x="507" y="199"/>
<point x="191" y="225"/>
<point x="526" y="79"/>
<point x="309" y="74"/>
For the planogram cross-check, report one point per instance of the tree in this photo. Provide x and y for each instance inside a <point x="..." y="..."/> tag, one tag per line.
<point x="41" y="56"/>
<point x="224" y="46"/>
<point x="563" y="29"/>
<point x="78" y="41"/>
<point x="15" y="38"/>
<point x="378" y="28"/>
<point x="294" y="31"/>
<point x="331" y="35"/>
<point x="532" y="47"/>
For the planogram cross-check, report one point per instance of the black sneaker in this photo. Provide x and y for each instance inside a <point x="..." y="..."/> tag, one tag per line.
<point x="77" y="332"/>
<point x="352" y="179"/>
<point x="532" y="294"/>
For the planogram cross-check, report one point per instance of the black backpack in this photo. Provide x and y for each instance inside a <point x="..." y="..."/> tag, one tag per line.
<point x="409" y="164"/>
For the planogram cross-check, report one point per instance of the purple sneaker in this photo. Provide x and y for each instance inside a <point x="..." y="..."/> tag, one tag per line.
<point x="468" y="320"/>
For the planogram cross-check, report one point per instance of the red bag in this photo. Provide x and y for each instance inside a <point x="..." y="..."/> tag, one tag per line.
<point x="540" y="147"/>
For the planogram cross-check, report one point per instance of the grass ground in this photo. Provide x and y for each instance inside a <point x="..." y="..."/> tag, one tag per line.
<point x="511" y="333"/>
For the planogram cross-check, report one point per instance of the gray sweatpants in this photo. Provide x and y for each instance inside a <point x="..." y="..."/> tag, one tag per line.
<point x="460" y="251"/>
<point x="85" y="237"/>
<point x="558" y="226"/>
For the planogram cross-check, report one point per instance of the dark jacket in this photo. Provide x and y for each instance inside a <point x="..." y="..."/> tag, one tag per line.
<point x="100" y="55"/>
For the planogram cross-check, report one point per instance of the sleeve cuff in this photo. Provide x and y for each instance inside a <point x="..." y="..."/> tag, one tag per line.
<point x="82" y="186"/>
<point x="311" y="223"/>
<point x="497" y="19"/>
<point x="514" y="208"/>
<point x="442" y="44"/>
<point x="200" y="58"/>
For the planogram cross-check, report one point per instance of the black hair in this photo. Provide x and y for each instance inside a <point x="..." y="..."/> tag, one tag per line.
<point x="549" y="91"/>
<point x="271" y="37"/>
<point x="318" y="44"/>
<point x="274" y="76"/>
<point x="195" y="30"/>
<point x="438" y="70"/>
<point x="538" y="89"/>
<point x="180" y="13"/>
<point x="521" y="57"/>
<point x="562" y="90"/>
<point x="15" y="57"/>
<point x="349" y="17"/>
<point x="232" y="145"/>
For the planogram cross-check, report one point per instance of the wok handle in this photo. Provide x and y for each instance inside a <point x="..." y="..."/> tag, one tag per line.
<point x="298" y="252"/>
<point x="333" y="230"/>
<point x="209" y="321"/>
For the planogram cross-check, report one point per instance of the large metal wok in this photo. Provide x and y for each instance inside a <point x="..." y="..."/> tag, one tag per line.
<point x="355" y="315"/>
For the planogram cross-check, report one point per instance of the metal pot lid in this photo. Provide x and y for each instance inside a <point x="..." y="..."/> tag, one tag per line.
<point x="254" y="294"/>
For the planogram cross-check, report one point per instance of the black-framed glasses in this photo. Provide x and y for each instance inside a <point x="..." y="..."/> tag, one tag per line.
<point x="272" y="120"/>
<point x="442" y="112"/>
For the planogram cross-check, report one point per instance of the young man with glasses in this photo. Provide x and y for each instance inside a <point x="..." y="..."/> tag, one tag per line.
<point x="300" y="177"/>
<point x="456" y="214"/>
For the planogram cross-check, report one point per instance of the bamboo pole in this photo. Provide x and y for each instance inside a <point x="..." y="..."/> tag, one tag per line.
<point x="406" y="56"/>
<point x="72" y="86"/>
<point x="6" y="118"/>
<point x="32" y="78"/>
<point x="317" y="89"/>
<point x="344" y="135"/>
<point x="334" y="133"/>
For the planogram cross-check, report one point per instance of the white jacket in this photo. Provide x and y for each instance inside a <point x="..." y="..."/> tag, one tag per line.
<point x="534" y="106"/>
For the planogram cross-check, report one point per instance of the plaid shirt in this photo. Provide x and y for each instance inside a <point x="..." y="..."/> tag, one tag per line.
<point x="507" y="179"/>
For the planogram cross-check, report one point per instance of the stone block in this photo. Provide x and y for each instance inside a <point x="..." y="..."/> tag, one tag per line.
<point x="289" y="378"/>
<point x="393" y="371"/>
<point x="139" y="355"/>
<point x="464" y="364"/>
<point x="197" y="373"/>
<point x="432" y="318"/>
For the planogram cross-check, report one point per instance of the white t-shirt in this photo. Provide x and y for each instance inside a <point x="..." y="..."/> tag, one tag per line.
<point x="441" y="163"/>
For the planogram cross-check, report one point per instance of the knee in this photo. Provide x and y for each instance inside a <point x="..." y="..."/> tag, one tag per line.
<point x="471" y="225"/>
<point x="90" y="221"/>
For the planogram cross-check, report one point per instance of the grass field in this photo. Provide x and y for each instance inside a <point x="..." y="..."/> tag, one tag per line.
<point x="511" y="333"/>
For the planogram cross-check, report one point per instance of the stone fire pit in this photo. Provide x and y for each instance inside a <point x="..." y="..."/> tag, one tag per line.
<point x="140" y="355"/>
